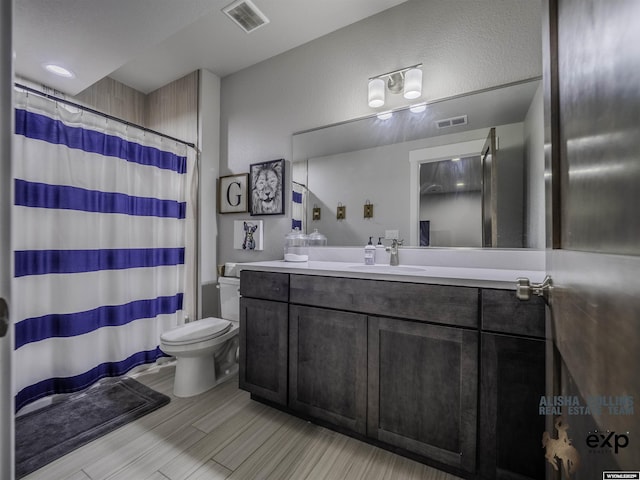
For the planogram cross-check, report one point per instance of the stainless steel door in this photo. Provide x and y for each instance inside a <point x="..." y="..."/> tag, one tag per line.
<point x="592" y="100"/>
<point x="6" y="340"/>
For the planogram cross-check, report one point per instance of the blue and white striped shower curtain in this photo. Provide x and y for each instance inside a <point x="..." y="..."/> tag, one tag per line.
<point x="103" y="237"/>
<point x="298" y="206"/>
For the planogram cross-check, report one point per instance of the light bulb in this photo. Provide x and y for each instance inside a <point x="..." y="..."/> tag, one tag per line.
<point x="412" y="83"/>
<point x="376" y="92"/>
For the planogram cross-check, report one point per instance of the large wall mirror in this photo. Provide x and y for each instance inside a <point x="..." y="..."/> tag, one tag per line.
<point x="434" y="176"/>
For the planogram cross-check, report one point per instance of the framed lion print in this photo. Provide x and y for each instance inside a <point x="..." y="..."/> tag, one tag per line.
<point x="266" y="182"/>
<point x="232" y="193"/>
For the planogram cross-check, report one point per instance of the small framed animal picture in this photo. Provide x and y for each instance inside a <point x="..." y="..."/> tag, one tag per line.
<point x="232" y="193"/>
<point x="247" y="235"/>
<point x="267" y="183"/>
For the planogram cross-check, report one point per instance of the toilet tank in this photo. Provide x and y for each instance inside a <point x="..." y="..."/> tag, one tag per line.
<point x="229" y="298"/>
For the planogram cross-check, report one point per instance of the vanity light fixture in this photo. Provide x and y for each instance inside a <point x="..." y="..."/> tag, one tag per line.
<point x="58" y="70"/>
<point x="376" y="92"/>
<point x="412" y="83"/>
<point x="407" y="80"/>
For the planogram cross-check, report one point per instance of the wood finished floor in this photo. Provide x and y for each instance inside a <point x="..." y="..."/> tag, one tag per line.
<point x="223" y="434"/>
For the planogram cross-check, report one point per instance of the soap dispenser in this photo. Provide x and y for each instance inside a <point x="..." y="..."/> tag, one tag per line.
<point x="380" y="251"/>
<point x="369" y="253"/>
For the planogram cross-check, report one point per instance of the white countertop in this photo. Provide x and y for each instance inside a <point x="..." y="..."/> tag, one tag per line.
<point x="502" y="278"/>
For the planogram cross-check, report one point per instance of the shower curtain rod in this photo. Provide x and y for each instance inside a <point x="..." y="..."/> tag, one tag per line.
<point x="91" y="110"/>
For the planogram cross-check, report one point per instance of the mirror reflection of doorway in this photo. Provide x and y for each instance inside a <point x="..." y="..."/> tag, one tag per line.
<point x="424" y="233"/>
<point x="489" y="192"/>
<point x="451" y="202"/>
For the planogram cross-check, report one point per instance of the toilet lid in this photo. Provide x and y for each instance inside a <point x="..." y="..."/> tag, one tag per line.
<point x="198" y="331"/>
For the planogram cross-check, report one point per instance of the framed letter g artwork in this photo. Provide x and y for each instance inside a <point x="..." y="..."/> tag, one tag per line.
<point x="232" y="193"/>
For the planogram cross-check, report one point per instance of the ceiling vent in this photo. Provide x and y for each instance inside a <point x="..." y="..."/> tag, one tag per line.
<point x="246" y="15"/>
<point x="452" y="122"/>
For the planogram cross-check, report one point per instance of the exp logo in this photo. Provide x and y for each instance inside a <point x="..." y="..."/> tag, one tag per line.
<point x="607" y="440"/>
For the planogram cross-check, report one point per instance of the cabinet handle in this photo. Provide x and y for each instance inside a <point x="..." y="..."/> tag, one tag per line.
<point x="524" y="288"/>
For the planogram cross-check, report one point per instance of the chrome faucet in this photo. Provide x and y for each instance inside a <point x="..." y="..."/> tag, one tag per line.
<point x="393" y="250"/>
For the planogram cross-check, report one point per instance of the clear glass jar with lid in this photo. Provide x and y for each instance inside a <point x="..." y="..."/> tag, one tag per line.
<point x="316" y="239"/>
<point x="296" y="246"/>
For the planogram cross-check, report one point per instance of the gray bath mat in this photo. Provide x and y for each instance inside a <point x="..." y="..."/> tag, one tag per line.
<point x="44" y="435"/>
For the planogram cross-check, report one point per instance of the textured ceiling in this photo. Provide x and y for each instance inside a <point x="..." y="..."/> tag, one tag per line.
<point x="148" y="43"/>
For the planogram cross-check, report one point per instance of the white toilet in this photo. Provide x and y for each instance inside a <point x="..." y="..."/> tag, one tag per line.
<point x="206" y="350"/>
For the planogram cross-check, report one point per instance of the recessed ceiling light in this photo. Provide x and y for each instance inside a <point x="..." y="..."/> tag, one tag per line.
<point x="460" y="184"/>
<point x="456" y="159"/>
<point x="385" y="115"/>
<point x="58" y="70"/>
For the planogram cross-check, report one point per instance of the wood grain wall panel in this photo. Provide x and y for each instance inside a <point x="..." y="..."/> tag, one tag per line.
<point x="117" y="99"/>
<point x="173" y="109"/>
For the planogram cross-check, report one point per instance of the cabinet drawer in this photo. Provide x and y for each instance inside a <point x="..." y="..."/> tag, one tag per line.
<point x="265" y="285"/>
<point x="503" y="312"/>
<point x="415" y="301"/>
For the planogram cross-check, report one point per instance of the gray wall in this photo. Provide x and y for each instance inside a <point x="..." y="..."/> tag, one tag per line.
<point x="325" y="81"/>
<point x="510" y="173"/>
<point x="379" y="175"/>
<point x="534" y="174"/>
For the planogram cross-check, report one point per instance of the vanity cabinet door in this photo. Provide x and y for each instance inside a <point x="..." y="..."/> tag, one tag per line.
<point x="423" y="389"/>
<point x="511" y="384"/>
<point x="328" y="365"/>
<point x="263" y="348"/>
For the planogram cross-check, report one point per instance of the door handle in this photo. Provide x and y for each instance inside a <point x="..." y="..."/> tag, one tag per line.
<point x="4" y="317"/>
<point x="524" y="288"/>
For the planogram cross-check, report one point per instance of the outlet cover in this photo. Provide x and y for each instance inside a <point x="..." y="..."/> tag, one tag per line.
<point x="391" y="234"/>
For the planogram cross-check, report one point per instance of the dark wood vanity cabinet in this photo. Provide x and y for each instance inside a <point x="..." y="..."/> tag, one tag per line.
<point x="417" y="387"/>
<point x="328" y="365"/>
<point x="423" y="389"/>
<point x="512" y="381"/>
<point x="264" y="331"/>
<point x="406" y="364"/>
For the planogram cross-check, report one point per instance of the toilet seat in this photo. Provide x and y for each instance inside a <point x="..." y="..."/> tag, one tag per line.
<point x="198" y="331"/>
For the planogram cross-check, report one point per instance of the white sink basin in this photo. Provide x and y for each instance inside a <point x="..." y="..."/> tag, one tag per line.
<point x="388" y="268"/>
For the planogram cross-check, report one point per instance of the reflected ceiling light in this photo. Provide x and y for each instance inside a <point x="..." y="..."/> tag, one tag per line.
<point x="58" y="70"/>
<point x="457" y="159"/>
<point x="385" y="115"/>
<point x="407" y="80"/>
<point x="418" y="108"/>
<point x="460" y="184"/>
